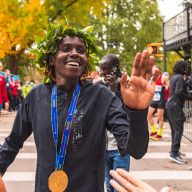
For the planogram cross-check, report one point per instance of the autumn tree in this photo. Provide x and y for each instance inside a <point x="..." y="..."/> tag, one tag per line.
<point x="21" y="20"/>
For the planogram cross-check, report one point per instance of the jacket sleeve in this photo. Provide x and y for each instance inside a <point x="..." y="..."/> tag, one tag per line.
<point x="21" y="130"/>
<point x="181" y="89"/>
<point x="130" y="128"/>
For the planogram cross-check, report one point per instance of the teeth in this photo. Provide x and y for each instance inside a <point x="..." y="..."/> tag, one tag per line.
<point x="73" y="64"/>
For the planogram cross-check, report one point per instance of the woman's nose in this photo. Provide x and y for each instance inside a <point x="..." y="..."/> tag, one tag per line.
<point x="74" y="52"/>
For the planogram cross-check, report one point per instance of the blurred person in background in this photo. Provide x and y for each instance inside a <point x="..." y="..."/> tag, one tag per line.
<point x="157" y="104"/>
<point x="20" y="84"/>
<point x="8" y="80"/>
<point x="110" y="71"/>
<point x="96" y="74"/>
<point x="14" y="85"/>
<point x="26" y="88"/>
<point x="3" y="91"/>
<point x="166" y="78"/>
<point x="176" y="117"/>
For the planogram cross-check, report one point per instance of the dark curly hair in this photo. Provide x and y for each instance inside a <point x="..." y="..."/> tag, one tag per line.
<point x="181" y="67"/>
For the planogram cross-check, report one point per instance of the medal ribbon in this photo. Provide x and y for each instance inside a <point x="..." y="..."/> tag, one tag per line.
<point x="60" y="158"/>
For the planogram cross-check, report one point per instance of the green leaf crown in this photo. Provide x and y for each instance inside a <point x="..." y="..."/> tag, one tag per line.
<point x="48" y="44"/>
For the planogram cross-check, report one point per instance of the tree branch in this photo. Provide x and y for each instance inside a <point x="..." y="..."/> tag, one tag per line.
<point x="71" y="3"/>
<point x="59" y="12"/>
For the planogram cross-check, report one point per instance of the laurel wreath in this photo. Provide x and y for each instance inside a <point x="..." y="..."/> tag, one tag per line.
<point x="48" y="44"/>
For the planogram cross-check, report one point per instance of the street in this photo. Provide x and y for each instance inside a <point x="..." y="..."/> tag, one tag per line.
<point x="155" y="167"/>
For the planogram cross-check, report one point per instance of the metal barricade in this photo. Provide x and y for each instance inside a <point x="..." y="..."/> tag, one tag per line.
<point x="188" y="123"/>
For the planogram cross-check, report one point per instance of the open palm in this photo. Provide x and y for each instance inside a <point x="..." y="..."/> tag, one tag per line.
<point x="138" y="90"/>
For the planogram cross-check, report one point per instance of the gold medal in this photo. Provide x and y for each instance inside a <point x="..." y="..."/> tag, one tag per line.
<point x="58" y="181"/>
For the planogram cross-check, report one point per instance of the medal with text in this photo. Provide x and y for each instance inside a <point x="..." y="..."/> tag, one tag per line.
<point x="58" y="180"/>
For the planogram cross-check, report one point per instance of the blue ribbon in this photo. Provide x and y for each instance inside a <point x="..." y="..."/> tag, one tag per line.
<point x="60" y="158"/>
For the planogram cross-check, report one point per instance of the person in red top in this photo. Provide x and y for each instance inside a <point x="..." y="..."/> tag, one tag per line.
<point x="157" y="104"/>
<point x="3" y="91"/>
<point x="15" y="93"/>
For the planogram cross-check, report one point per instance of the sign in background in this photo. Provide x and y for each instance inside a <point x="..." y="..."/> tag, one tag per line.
<point x="14" y="77"/>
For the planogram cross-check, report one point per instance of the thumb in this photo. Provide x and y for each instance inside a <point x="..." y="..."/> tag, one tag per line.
<point x="2" y="186"/>
<point x="166" y="189"/>
<point x="123" y="81"/>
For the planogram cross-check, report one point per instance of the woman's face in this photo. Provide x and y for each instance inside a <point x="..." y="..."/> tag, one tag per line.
<point x="155" y="69"/>
<point x="71" y="58"/>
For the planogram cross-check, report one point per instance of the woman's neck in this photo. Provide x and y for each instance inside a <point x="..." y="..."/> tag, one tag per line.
<point x="68" y="83"/>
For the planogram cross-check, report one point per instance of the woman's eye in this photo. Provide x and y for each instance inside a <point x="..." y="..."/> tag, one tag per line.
<point x="81" y="50"/>
<point x="65" y="49"/>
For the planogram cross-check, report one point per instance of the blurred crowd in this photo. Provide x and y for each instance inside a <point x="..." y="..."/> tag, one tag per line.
<point x="12" y="90"/>
<point x="171" y="92"/>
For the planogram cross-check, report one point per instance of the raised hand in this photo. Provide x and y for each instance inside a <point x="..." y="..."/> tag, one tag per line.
<point x="138" y="90"/>
<point x="124" y="182"/>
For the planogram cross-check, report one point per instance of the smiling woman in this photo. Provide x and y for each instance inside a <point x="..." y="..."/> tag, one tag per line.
<point x="48" y="45"/>
<point x="70" y="60"/>
<point x="69" y="115"/>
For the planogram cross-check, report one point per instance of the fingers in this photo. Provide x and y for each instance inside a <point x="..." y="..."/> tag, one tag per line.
<point x="144" y="63"/>
<point x="149" y="68"/>
<point x="123" y="81"/>
<point x="116" y="186"/>
<point x="127" y="183"/>
<point x="166" y="189"/>
<point x="128" y="177"/>
<point x="136" y="65"/>
<point x="123" y="183"/>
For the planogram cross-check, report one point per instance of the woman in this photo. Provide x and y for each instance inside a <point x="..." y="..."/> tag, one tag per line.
<point x="157" y="104"/>
<point x="69" y="115"/>
<point x="178" y="95"/>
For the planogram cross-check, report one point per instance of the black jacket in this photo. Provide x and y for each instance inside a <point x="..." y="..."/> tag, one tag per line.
<point x="97" y="109"/>
<point x="178" y="92"/>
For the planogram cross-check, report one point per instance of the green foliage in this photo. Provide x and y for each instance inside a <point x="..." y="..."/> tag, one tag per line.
<point x="127" y="27"/>
<point x="75" y="12"/>
<point x="122" y="27"/>
<point x="21" y="20"/>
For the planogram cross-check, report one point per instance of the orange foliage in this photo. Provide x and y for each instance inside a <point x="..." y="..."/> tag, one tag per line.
<point x="19" y="22"/>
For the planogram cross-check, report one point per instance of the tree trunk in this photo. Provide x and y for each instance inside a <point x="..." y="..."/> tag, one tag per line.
<point x="13" y="63"/>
